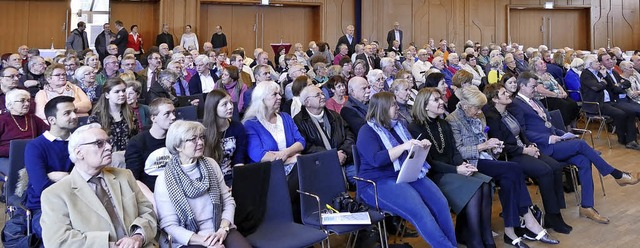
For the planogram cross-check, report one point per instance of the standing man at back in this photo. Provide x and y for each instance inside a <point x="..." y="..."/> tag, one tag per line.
<point x="77" y="40"/>
<point x="165" y="37"/>
<point x="103" y="40"/>
<point x="348" y="39"/>
<point x="121" y="38"/>
<point x="219" y="40"/>
<point x="394" y="34"/>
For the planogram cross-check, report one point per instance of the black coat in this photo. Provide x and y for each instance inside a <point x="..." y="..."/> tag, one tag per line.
<point x="122" y="37"/>
<point x="341" y="137"/>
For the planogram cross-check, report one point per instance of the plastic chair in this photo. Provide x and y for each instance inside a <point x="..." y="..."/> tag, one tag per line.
<point x="558" y="123"/>
<point x="187" y="113"/>
<point x="277" y="228"/>
<point x="321" y="179"/>
<point x="16" y="163"/>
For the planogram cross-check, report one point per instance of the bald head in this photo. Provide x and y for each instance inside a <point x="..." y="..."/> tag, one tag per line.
<point x="359" y="89"/>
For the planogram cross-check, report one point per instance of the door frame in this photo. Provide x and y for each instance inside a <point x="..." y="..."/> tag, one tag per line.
<point x="575" y="7"/>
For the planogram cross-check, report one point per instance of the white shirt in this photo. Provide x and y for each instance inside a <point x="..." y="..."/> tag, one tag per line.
<point x="418" y="71"/>
<point x="207" y="83"/>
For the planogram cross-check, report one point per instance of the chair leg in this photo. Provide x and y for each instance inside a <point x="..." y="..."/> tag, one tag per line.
<point x="382" y="228"/>
<point x="353" y="238"/>
<point x="602" y="185"/>
<point x="576" y="187"/>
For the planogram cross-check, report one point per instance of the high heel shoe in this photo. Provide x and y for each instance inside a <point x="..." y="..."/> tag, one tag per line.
<point x="542" y="236"/>
<point x="515" y="242"/>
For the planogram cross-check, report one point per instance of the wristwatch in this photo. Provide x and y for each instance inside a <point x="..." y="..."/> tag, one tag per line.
<point x="225" y="228"/>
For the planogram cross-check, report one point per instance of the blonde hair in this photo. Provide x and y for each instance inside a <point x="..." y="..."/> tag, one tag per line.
<point x="471" y="96"/>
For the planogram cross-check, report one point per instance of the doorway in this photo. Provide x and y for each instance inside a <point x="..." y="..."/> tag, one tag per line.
<point x="555" y="28"/>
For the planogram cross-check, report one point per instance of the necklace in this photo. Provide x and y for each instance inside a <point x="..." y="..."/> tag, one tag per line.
<point x="26" y="123"/>
<point x="439" y="149"/>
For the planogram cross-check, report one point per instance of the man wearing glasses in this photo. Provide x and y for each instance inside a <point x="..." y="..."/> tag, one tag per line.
<point x="111" y="70"/>
<point x="96" y="205"/>
<point x="11" y="80"/>
<point x="46" y="156"/>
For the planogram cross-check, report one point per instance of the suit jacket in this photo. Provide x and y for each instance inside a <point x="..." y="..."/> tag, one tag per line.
<point x="141" y="76"/>
<point x="593" y="89"/>
<point x="532" y="125"/>
<point x="73" y="216"/>
<point x="345" y="40"/>
<point x="101" y="45"/>
<point x="121" y="40"/>
<point x="165" y="38"/>
<point x="391" y="36"/>
<point x="195" y="85"/>
<point x="617" y="86"/>
<point x="376" y="60"/>
<point x="340" y="137"/>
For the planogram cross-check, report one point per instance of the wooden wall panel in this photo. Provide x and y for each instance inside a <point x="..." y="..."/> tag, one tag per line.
<point x="143" y="14"/>
<point x="33" y="23"/>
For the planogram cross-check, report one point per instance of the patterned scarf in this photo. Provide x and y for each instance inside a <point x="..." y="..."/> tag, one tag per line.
<point x="390" y="142"/>
<point x="181" y="187"/>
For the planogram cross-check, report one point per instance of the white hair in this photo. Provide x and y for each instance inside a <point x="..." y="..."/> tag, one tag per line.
<point x="180" y="131"/>
<point x="79" y="74"/>
<point x="373" y="75"/>
<point x="13" y="95"/>
<point x="257" y="108"/>
<point x="202" y="59"/>
<point x="77" y="136"/>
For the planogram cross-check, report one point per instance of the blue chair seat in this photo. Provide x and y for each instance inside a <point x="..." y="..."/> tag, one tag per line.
<point x="272" y="235"/>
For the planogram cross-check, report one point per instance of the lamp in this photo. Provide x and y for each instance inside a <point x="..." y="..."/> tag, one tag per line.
<point x="264" y="2"/>
<point x="547" y="5"/>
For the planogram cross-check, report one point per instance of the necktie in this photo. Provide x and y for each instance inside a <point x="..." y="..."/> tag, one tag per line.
<point x="106" y="201"/>
<point x="538" y="109"/>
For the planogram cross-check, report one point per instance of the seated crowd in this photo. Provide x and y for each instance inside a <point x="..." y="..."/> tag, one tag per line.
<point x="130" y="168"/>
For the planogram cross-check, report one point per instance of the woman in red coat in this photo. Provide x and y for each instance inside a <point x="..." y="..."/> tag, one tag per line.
<point x="135" y="41"/>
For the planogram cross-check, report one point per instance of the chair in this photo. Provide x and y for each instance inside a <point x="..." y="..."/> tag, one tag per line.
<point x="591" y="111"/>
<point x="383" y="229"/>
<point x="277" y="228"/>
<point x="322" y="180"/>
<point x="558" y="122"/>
<point x="83" y="120"/>
<point x="16" y="163"/>
<point x="187" y="113"/>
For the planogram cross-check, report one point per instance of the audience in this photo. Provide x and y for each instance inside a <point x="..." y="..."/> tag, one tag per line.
<point x="47" y="156"/>
<point x="338" y="86"/>
<point x="81" y="210"/>
<point x="551" y="93"/>
<point x="57" y="85"/>
<point x="355" y="110"/>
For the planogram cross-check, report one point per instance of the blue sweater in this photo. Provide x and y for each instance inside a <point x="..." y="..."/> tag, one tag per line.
<point x="375" y="163"/>
<point x="42" y="156"/>
<point x="260" y="141"/>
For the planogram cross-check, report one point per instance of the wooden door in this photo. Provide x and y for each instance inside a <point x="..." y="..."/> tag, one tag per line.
<point x="258" y="26"/>
<point x="554" y="28"/>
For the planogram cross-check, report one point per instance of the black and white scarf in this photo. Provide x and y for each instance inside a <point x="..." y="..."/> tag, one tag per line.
<point x="181" y="187"/>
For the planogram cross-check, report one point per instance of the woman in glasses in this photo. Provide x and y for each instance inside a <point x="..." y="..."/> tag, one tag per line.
<point x="114" y="114"/>
<point x="194" y="204"/>
<point x="57" y="85"/>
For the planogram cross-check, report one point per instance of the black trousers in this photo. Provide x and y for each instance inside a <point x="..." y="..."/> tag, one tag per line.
<point x="548" y="172"/>
<point x="624" y="118"/>
<point x="567" y="106"/>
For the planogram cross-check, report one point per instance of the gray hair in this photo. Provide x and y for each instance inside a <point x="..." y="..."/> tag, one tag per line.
<point x="373" y="75"/>
<point x="179" y="132"/>
<point x="77" y="136"/>
<point x="307" y="92"/>
<point x="79" y="75"/>
<point x="176" y="56"/>
<point x="34" y="60"/>
<point x="589" y="59"/>
<point x="13" y="95"/>
<point x="578" y="63"/>
<point x="386" y="61"/>
<point x="202" y="59"/>
<point x="260" y="92"/>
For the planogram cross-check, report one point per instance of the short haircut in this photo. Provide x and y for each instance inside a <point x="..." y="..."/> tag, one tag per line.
<point x="81" y="24"/>
<point x="119" y="23"/>
<point x="77" y="136"/>
<point x="137" y="86"/>
<point x="344" y="60"/>
<point x="398" y="83"/>
<point x="151" y="55"/>
<point x="491" y="91"/>
<point x="4" y="68"/>
<point x="154" y="106"/>
<point x="179" y="132"/>
<point x="166" y="75"/>
<point x="379" y="106"/>
<point x="307" y="92"/>
<point x="49" y="70"/>
<point x="202" y="59"/>
<point x="335" y="80"/>
<point x="233" y="71"/>
<point x="79" y="74"/>
<point x="13" y="95"/>
<point x="133" y="26"/>
<point x="523" y="78"/>
<point x="258" y="69"/>
<point x="51" y="108"/>
<point x="462" y="77"/>
<point x="471" y="95"/>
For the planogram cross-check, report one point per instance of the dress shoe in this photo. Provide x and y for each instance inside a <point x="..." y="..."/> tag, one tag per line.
<point x="555" y="222"/>
<point x="515" y="242"/>
<point x="632" y="145"/>
<point x="544" y="237"/>
<point x="592" y="213"/>
<point x="628" y="179"/>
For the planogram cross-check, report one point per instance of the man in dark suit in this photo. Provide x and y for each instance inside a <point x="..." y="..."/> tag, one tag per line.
<point x="204" y="80"/>
<point x="372" y="61"/>
<point x="614" y="78"/>
<point x="121" y="38"/>
<point x="355" y="110"/>
<point x="348" y="39"/>
<point x="103" y="40"/>
<point x="595" y="87"/>
<point x="165" y="37"/>
<point x="536" y="125"/>
<point x="395" y="34"/>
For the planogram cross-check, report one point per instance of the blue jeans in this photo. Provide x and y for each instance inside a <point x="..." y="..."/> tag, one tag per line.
<point x="421" y="203"/>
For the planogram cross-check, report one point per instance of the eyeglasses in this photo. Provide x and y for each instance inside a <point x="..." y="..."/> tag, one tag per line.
<point x="194" y="139"/>
<point x="319" y="95"/>
<point x="24" y="100"/>
<point x="12" y="76"/>
<point x="99" y="143"/>
<point x="58" y="75"/>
